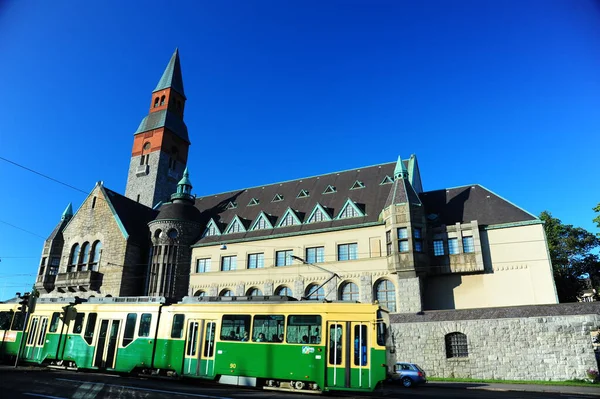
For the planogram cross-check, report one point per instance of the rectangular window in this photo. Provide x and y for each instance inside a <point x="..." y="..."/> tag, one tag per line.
<point x="256" y="261"/>
<point x="303" y="329"/>
<point x="235" y="327"/>
<point x="348" y="251"/>
<point x="89" y="328"/>
<point x="228" y="263"/>
<point x="54" y="322"/>
<point x="388" y="241"/>
<point x="129" y="329"/>
<point x="42" y="336"/>
<point x="315" y="255"/>
<point x="202" y="265"/>
<point x="468" y="245"/>
<point x="438" y="247"/>
<point x="209" y="341"/>
<point x="453" y="246"/>
<point x="402" y="233"/>
<point x="336" y="332"/>
<point x="55" y="261"/>
<point x="78" y="325"/>
<point x="5" y="319"/>
<point x="417" y="239"/>
<point x="283" y="258"/>
<point x="268" y="328"/>
<point x="403" y="245"/>
<point x="177" y="328"/>
<point x="145" y="321"/>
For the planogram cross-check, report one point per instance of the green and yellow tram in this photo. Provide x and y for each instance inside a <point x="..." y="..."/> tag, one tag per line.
<point x="272" y="342"/>
<point x="11" y="327"/>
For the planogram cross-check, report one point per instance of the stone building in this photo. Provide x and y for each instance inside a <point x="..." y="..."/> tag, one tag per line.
<point x="466" y="273"/>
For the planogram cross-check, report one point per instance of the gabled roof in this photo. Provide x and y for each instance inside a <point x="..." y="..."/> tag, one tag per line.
<point x="133" y="216"/>
<point x="473" y="202"/>
<point x="171" y="77"/>
<point x="166" y="119"/>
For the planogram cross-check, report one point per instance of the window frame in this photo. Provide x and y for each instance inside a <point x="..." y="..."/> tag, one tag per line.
<point x="206" y="263"/>
<point x="350" y="254"/>
<point x="287" y="254"/>
<point x="231" y="259"/>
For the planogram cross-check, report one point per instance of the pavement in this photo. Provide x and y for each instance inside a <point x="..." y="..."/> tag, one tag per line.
<point x="556" y="389"/>
<point x="564" y="389"/>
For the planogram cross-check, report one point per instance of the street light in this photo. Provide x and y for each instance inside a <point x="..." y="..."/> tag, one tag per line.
<point x="333" y="275"/>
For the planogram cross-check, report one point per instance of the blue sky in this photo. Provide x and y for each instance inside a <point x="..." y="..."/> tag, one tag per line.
<point x="501" y="93"/>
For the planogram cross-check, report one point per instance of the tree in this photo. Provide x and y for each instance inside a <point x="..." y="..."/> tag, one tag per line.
<point x="597" y="218"/>
<point x="571" y="255"/>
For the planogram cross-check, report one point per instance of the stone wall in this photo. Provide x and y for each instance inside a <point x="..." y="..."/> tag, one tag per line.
<point x="547" y="342"/>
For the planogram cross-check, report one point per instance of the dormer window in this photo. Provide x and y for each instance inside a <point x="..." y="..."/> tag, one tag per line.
<point x="253" y="202"/>
<point x="319" y="214"/>
<point x="277" y="198"/>
<point x="329" y="190"/>
<point x="386" y="180"/>
<point x="303" y="194"/>
<point x="350" y="210"/>
<point x="232" y="205"/>
<point x="357" y="185"/>
<point x="289" y="218"/>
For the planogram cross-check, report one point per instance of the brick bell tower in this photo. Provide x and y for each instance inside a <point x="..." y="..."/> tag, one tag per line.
<point x="161" y="143"/>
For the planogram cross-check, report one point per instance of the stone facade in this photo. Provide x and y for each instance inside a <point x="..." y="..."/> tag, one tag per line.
<point x="153" y="182"/>
<point x="550" y="344"/>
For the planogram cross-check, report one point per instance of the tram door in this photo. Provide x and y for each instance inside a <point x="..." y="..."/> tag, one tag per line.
<point x="199" y="359"/>
<point x="348" y="355"/>
<point x="106" y="345"/>
<point x="36" y="338"/>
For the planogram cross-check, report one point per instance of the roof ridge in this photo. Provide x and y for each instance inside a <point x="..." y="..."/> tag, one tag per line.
<point x="292" y="180"/>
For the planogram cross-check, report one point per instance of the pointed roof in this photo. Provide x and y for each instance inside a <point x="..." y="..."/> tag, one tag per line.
<point x="171" y="77"/>
<point x="68" y="213"/>
<point x="400" y="170"/>
<point x="402" y="192"/>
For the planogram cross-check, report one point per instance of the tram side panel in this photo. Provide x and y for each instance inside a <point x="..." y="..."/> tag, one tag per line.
<point x="170" y="341"/>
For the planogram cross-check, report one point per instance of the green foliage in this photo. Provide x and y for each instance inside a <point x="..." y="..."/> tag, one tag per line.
<point x="571" y="254"/>
<point x="597" y="218"/>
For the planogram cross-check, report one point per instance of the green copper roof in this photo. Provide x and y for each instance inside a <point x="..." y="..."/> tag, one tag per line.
<point x="68" y="213"/>
<point x="172" y="76"/>
<point x="184" y="188"/>
<point x="185" y="180"/>
<point x="400" y="170"/>
<point x="164" y="118"/>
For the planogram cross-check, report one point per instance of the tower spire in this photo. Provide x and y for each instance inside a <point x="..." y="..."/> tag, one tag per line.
<point x="171" y="77"/>
<point x="400" y="172"/>
<point x="184" y="188"/>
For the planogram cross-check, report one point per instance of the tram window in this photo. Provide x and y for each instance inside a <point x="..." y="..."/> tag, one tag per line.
<point x="42" y="336"/>
<point x="54" y="322"/>
<point x="129" y="329"/>
<point x="209" y="342"/>
<point x="32" y="331"/>
<point x="177" y="328"/>
<point x="360" y="345"/>
<point x="18" y="321"/>
<point x="304" y="329"/>
<point x="78" y="325"/>
<point x="270" y="326"/>
<point x="335" y="344"/>
<point x="381" y="329"/>
<point x="144" y="330"/>
<point x="5" y="319"/>
<point x="89" y="328"/>
<point x="235" y="327"/>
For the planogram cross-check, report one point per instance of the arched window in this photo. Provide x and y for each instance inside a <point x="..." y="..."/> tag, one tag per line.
<point x="74" y="258"/>
<point x="96" y="251"/>
<point x="313" y="293"/>
<point x="385" y="293"/>
<point x="456" y="345"/>
<point x="200" y="293"/>
<point x="283" y="291"/>
<point x="254" y="292"/>
<point x="226" y="292"/>
<point x="349" y="292"/>
<point x="145" y="156"/>
<point x="156" y="102"/>
<point x="85" y="256"/>
<point x="162" y="100"/>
